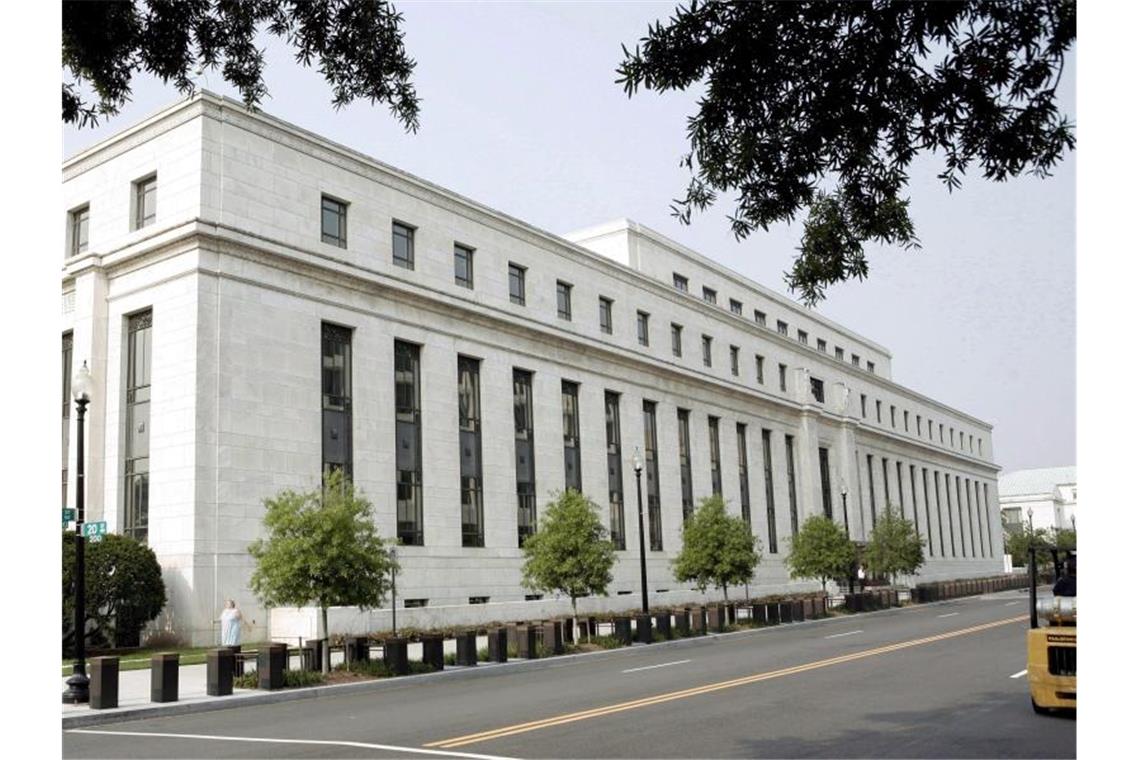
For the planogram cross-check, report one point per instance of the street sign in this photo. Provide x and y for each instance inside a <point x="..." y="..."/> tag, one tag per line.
<point x="68" y="516"/>
<point x="95" y="530"/>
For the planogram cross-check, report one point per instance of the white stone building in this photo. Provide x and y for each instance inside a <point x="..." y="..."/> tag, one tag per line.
<point x="218" y="259"/>
<point x="1050" y="492"/>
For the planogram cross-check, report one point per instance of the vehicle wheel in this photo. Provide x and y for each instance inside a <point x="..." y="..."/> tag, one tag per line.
<point x="1038" y="708"/>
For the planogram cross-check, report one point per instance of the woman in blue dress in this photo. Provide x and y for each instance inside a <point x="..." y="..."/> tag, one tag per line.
<point x="231" y="624"/>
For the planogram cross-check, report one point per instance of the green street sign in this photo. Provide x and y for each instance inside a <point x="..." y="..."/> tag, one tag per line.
<point x="68" y="515"/>
<point x="95" y="530"/>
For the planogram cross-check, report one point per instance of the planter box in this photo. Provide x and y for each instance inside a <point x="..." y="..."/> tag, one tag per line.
<point x="798" y="610"/>
<point x="772" y="613"/>
<point x="396" y="656"/>
<point x="219" y="672"/>
<point x="465" y="652"/>
<point x="497" y="639"/>
<point x="698" y="621"/>
<point x="759" y="616"/>
<point x="622" y="630"/>
<point x="682" y="620"/>
<point x="356" y="649"/>
<point x="552" y="637"/>
<point x="271" y="666"/>
<point x="665" y="624"/>
<point x="164" y="677"/>
<point x="432" y="645"/>
<point x="526" y="639"/>
<point x="103" y="693"/>
<point x="644" y="628"/>
<point x="785" y="611"/>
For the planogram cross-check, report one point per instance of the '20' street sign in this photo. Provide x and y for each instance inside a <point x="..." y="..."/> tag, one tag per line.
<point x="95" y="530"/>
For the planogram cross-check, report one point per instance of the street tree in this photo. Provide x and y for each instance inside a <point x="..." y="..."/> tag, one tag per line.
<point x="124" y="590"/>
<point x="571" y="551"/>
<point x="358" y="45"/>
<point x="821" y="550"/>
<point x="894" y="545"/>
<point x="1018" y="540"/>
<point x="823" y="106"/>
<point x="718" y="549"/>
<point x="322" y="549"/>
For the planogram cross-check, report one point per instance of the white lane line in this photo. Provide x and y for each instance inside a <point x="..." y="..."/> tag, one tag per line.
<point x="360" y="745"/>
<point x="948" y="614"/>
<point x="839" y="635"/>
<point x="1019" y="674"/>
<point x="662" y="665"/>
<point x="1010" y="604"/>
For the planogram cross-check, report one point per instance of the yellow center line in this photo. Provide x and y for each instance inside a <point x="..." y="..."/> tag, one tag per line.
<point x="598" y="712"/>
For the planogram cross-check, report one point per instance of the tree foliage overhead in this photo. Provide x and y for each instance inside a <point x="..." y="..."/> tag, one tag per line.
<point x="820" y="550"/>
<point x="718" y="549"/>
<point x="824" y="105"/>
<point x="571" y="551"/>
<point x="124" y="590"/>
<point x="894" y="546"/>
<point x="357" y="45"/>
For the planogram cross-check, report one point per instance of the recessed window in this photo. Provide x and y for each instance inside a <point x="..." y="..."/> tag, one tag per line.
<point x="605" y="315"/>
<point x="918" y="424"/>
<point x="906" y="421"/>
<point x="464" y="266"/>
<point x="941" y="437"/>
<point x="759" y="369"/>
<point x="710" y="294"/>
<point x="930" y="429"/>
<point x="478" y="599"/>
<point x="564" y="300"/>
<point x="681" y="283"/>
<point x="871" y="367"/>
<point x="760" y="317"/>
<point x="412" y="603"/>
<point x="146" y="192"/>
<point x="783" y="378"/>
<point x="821" y="345"/>
<point x="892" y="415"/>
<point x="971" y="444"/>
<point x="403" y="245"/>
<point x="863" y="404"/>
<point x="734" y="359"/>
<point x="839" y="353"/>
<point x="676" y="331"/>
<point x="878" y="411"/>
<point x="79" y="219"/>
<point x="516" y="277"/>
<point x="855" y="360"/>
<point x="643" y="328"/>
<point x="802" y="336"/>
<point x="735" y="306"/>
<point x="781" y="327"/>
<point x="706" y="349"/>
<point x="817" y="389"/>
<point x="334" y="222"/>
<point x="532" y="597"/>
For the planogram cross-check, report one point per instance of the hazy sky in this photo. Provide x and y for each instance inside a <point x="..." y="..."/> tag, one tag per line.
<point x="520" y="111"/>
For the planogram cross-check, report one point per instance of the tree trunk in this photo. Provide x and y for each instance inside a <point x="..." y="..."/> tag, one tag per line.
<point x="326" y="655"/>
<point x="725" y="587"/>
<point x="574" y="609"/>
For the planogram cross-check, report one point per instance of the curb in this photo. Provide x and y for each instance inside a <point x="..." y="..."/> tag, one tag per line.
<point x="256" y="697"/>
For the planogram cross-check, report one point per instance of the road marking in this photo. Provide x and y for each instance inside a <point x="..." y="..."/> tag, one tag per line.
<point x="651" y="667"/>
<point x="1019" y="674"/>
<point x="840" y="635"/>
<point x="360" y="745"/>
<point x="948" y="614"/>
<point x="1010" y="604"/>
<point x="597" y="712"/>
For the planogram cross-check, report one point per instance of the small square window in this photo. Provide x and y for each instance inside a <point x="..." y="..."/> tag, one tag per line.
<point x="760" y="317"/>
<point x="403" y="245"/>
<point x="759" y="369"/>
<point x="564" y="300"/>
<point x="516" y="277"/>
<point x="783" y="378"/>
<point x="802" y="336"/>
<point x="79" y="219"/>
<point x="464" y="266"/>
<point x="706" y="349"/>
<point x="839" y="353"/>
<point x="643" y="328"/>
<point x="855" y="360"/>
<point x="334" y="222"/>
<point x="817" y="389"/>
<point x="681" y="283"/>
<point x="605" y="315"/>
<point x="411" y="603"/>
<point x="734" y="359"/>
<point x="735" y="306"/>
<point x="146" y="192"/>
<point x="710" y="294"/>
<point x="821" y="345"/>
<point x="781" y="327"/>
<point x="871" y="367"/>
<point x="478" y="599"/>
<point x="676" y="330"/>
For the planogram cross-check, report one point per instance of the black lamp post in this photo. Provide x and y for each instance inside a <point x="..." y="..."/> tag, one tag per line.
<point x="77" y="685"/>
<point x="641" y="532"/>
<point x="392" y="555"/>
<point x="846" y="525"/>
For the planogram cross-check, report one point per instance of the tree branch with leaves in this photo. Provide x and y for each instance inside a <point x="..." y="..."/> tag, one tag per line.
<point x="718" y="549"/>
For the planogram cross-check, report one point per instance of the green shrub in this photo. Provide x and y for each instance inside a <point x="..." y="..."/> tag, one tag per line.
<point x="607" y="642"/>
<point x="449" y="658"/>
<point x="293" y="679"/>
<point x="483" y="655"/>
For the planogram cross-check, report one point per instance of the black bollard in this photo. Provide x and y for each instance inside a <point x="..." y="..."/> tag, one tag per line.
<point x="665" y="624"/>
<point x="396" y="656"/>
<point x="622" y="631"/>
<point x="465" y="652"/>
<point x="104" y="685"/>
<point x="526" y="638"/>
<point x="682" y="618"/>
<point x="271" y="666"/>
<point x="497" y="644"/>
<point x="552" y="637"/>
<point x="164" y="677"/>
<point x="220" y="672"/>
<point x="431" y="645"/>
<point x="644" y="628"/>
<point x="699" y="621"/>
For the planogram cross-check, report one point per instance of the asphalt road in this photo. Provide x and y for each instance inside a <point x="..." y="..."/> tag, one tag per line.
<point x="927" y="681"/>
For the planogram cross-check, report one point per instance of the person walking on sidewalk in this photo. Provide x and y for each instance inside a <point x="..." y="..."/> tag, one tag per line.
<point x="231" y="624"/>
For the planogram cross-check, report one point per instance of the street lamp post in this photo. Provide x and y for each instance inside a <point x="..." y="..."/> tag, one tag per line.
<point x="641" y="531"/>
<point x="846" y="526"/>
<point x="77" y="685"/>
<point x="392" y="554"/>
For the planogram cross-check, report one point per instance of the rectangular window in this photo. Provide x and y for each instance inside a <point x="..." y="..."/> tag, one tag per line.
<point x="334" y="222"/>
<point x="821" y="345"/>
<point x="681" y="283"/>
<point x="403" y="245"/>
<point x="676" y="336"/>
<point x="759" y="369"/>
<point x="825" y="482"/>
<point x="918" y="424"/>
<point x="892" y="415"/>
<point x="863" y="404"/>
<point x="930" y="429"/>
<point x="516" y="277"/>
<point x="886" y="483"/>
<point x="971" y="444"/>
<point x="524" y="453"/>
<point x="938" y="507"/>
<point x="790" y="455"/>
<point x="79" y="219"/>
<point x="686" y="463"/>
<point x="989" y="523"/>
<point x="571" y="445"/>
<point x="146" y="197"/>
<point x="409" y="466"/>
<point x="906" y="421"/>
<point x="769" y="494"/>
<point x="855" y="359"/>
<point x="961" y="440"/>
<point x="136" y="436"/>
<point x="926" y="504"/>
<point x="714" y="454"/>
<point x="950" y="518"/>
<point x="878" y="411"/>
<point x="615" y="468"/>
<point x="902" y="496"/>
<point x="736" y="307"/>
<point x="606" y="315"/>
<point x="564" y="300"/>
<point x="652" y="486"/>
<point x="414" y="603"/>
<point x="67" y="348"/>
<point x="783" y="368"/>
<point x="478" y="599"/>
<point x="760" y="317"/>
<point x="781" y="327"/>
<point x="734" y="359"/>
<point x="802" y="336"/>
<point x="742" y="466"/>
<point x="871" y="367"/>
<point x="464" y="266"/>
<point x="817" y="389"/>
<point x="706" y="350"/>
<point x="839" y="353"/>
<point x="971" y="513"/>
<point x="470" y="453"/>
<point x="871" y="486"/>
<point x="336" y="399"/>
<point x="710" y="294"/>
<point x="941" y="437"/>
<point x="643" y="328"/>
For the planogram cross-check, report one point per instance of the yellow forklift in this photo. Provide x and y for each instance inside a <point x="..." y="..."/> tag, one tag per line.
<point x="1052" y="637"/>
